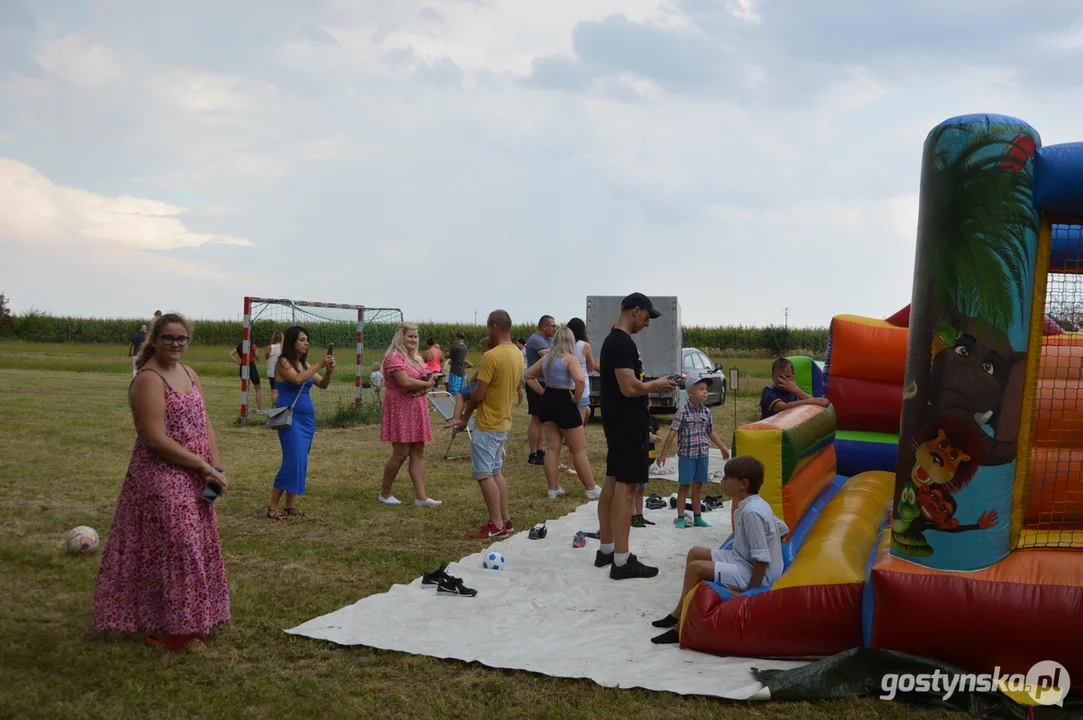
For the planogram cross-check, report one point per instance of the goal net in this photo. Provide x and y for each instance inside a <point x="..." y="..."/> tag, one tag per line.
<point x="361" y="336"/>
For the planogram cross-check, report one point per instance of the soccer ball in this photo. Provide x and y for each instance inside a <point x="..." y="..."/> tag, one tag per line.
<point x="82" y="540"/>
<point x="493" y="561"/>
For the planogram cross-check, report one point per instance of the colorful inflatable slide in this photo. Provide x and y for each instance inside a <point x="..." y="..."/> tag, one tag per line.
<point x="936" y="506"/>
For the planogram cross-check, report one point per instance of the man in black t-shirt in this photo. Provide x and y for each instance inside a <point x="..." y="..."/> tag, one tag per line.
<point x="626" y="420"/>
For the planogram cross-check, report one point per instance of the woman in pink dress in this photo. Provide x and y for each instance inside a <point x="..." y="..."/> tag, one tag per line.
<point x="162" y="570"/>
<point x="406" y="423"/>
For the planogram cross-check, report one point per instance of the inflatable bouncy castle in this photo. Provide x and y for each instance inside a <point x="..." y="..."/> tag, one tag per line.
<point x="936" y="506"/>
<point x="866" y="361"/>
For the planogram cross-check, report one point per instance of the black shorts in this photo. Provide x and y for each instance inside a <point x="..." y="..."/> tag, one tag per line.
<point x="628" y="457"/>
<point x="533" y="402"/>
<point x="557" y="406"/>
<point x="253" y="373"/>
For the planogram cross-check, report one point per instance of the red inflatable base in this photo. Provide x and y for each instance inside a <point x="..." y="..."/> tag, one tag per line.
<point x="866" y="405"/>
<point x="806" y="621"/>
<point x="1021" y="611"/>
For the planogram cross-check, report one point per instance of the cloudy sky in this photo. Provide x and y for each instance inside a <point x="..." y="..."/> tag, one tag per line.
<point x="443" y="156"/>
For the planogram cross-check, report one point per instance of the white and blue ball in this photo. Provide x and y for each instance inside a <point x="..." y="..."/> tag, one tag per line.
<point x="493" y="561"/>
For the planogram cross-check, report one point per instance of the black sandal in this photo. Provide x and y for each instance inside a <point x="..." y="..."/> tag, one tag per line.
<point x="275" y="514"/>
<point x="295" y="512"/>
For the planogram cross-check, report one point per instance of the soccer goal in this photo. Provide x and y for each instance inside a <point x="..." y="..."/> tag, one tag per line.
<point x="347" y="326"/>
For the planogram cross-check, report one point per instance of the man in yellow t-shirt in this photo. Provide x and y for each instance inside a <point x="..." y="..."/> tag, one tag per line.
<point x="498" y="381"/>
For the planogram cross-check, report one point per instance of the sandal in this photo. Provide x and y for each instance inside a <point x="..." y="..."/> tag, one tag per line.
<point x="295" y="512"/>
<point x="275" y="514"/>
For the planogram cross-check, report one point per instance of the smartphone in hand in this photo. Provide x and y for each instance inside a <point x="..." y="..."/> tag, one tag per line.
<point x="331" y="349"/>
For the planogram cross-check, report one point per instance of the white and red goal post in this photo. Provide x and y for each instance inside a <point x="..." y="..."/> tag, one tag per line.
<point x="335" y="315"/>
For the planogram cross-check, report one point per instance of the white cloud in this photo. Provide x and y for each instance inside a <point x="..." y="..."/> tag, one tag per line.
<point x="79" y="62"/>
<point x="35" y="210"/>
<point x="390" y="147"/>
<point x="744" y="10"/>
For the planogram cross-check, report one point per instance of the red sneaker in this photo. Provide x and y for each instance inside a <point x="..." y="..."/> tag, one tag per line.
<point x="488" y="530"/>
<point x="508" y="526"/>
<point x="174" y="642"/>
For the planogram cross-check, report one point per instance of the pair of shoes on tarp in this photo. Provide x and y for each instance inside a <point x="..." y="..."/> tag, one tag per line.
<point x="446" y="584"/>
<point x="708" y="503"/>
<point x="713" y="502"/>
<point x="655" y="502"/>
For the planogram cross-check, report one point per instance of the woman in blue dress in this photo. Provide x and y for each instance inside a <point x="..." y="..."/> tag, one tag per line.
<point x="294" y="380"/>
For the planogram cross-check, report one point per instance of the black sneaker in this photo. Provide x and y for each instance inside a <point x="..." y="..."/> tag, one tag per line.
<point x="632" y="569"/>
<point x="602" y="559"/>
<point x="638" y="521"/>
<point x="454" y="586"/>
<point x="535" y="459"/>
<point x="433" y="579"/>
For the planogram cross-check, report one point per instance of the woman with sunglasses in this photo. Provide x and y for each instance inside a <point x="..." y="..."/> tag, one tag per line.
<point x="162" y="570"/>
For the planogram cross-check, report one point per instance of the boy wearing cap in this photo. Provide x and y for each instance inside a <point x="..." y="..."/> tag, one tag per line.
<point x="626" y="422"/>
<point x="693" y="425"/>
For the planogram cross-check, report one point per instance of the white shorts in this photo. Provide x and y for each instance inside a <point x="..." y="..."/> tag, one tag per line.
<point x="730" y="574"/>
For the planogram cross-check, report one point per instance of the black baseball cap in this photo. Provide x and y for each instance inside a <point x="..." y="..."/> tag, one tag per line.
<point x="460" y="336"/>
<point x="641" y="301"/>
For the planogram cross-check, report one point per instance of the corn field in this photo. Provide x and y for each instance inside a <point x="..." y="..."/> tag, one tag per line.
<point x="41" y="327"/>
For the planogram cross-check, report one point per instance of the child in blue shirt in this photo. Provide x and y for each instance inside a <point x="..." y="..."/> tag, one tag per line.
<point x="756" y="558"/>
<point x="784" y="393"/>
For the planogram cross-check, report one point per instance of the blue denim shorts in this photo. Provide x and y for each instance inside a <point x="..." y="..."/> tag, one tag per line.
<point x="486" y="452"/>
<point x="690" y="470"/>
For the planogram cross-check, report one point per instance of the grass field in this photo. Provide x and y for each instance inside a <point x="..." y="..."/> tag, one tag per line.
<point x="67" y="437"/>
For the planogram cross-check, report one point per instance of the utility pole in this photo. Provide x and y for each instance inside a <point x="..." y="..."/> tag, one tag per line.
<point x="787" y="311"/>
<point x="475" y="316"/>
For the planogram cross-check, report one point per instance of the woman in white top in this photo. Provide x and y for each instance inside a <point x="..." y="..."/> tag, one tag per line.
<point x="274" y="350"/>
<point x="585" y="355"/>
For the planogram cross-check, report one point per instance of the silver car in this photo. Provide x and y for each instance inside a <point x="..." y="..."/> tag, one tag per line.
<point x="696" y="364"/>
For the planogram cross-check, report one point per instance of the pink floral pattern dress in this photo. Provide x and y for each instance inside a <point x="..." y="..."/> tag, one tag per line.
<point x="405" y="418"/>
<point x="162" y="569"/>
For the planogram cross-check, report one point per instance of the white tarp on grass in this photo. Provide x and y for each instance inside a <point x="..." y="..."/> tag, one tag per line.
<point x="550" y="611"/>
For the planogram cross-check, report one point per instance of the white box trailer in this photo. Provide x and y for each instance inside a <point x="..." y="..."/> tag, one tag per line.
<point x="659" y="344"/>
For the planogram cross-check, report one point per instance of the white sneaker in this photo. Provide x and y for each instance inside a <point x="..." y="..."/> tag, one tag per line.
<point x="595" y="493"/>
<point x="553" y="494"/>
<point x="430" y="502"/>
<point x="388" y="500"/>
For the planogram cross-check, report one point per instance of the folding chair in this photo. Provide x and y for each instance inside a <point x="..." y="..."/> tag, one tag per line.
<point x="444" y="403"/>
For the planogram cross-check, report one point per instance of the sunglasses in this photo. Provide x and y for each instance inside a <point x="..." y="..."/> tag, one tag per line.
<point x="181" y="340"/>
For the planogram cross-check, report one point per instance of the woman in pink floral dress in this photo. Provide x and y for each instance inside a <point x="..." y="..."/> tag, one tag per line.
<point x="162" y="570"/>
<point x="406" y="423"/>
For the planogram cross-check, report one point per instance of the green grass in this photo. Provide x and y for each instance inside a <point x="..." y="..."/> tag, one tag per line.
<point x="67" y="441"/>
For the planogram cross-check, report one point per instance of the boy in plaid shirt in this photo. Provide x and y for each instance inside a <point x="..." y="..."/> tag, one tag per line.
<point x="693" y="426"/>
